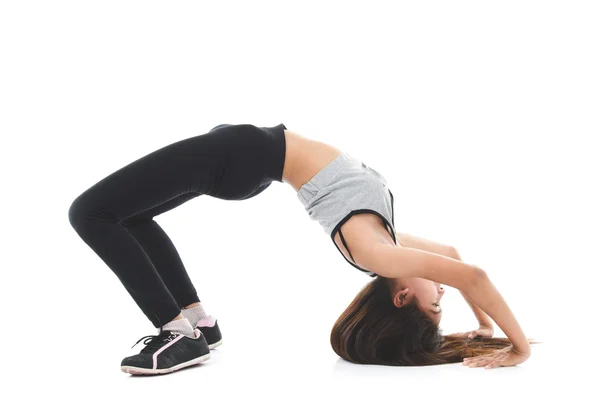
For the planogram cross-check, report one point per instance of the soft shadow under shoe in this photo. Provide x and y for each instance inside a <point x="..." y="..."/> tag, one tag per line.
<point x="167" y="352"/>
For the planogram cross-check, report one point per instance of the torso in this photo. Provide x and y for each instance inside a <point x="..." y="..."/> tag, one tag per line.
<point x="304" y="158"/>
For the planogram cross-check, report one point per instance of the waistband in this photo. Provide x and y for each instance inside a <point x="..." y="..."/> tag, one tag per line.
<point x="324" y="177"/>
<point x="276" y="151"/>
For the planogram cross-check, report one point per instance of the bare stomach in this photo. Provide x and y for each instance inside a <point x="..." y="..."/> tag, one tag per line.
<point x="304" y="159"/>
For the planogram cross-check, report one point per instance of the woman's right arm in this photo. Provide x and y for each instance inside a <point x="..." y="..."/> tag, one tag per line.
<point x="403" y="262"/>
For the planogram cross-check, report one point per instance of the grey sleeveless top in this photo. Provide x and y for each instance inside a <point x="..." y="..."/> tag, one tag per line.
<point x="343" y="188"/>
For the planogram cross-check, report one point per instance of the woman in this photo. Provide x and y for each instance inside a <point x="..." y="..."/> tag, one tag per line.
<point x="393" y="320"/>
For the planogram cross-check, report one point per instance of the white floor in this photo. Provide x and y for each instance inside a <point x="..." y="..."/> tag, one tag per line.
<point x="298" y="370"/>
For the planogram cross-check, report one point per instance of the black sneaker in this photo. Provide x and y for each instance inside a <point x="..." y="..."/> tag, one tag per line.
<point x="210" y="329"/>
<point x="167" y="352"/>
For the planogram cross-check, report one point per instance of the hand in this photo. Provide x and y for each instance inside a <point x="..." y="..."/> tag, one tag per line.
<point x="483" y="331"/>
<point x="506" y="357"/>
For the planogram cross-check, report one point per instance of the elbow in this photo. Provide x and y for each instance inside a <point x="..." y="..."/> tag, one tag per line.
<point x="452" y="253"/>
<point x="478" y="277"/>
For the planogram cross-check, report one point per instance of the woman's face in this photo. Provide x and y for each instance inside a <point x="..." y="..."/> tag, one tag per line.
<point x="427" y="294"/>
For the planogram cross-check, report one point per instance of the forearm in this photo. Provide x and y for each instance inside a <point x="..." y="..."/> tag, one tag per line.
<point x="482" y="317"/>
<point x="486" y="296"/>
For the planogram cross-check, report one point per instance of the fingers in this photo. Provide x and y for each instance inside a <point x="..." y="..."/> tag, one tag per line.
<point x="480" y="332"/>
<point x="470" y="334"/>
<point x="498" y="358"/>
<point x="460" y="334"/>
<point x="494" y="364"/>
<point x="482" y="361"/>
<point x="473" y="334"/>
<point x="478" y="361"/>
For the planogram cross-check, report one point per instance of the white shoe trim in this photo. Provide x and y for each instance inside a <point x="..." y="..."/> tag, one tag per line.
<point x="147" y="371"/>
<point x="216" y="344"/>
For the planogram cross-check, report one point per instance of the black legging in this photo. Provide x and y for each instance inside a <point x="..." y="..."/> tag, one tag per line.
<point x="115" y="216"/>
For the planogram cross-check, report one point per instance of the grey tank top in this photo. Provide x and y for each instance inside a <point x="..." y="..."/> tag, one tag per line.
<point x="343" y="188"/>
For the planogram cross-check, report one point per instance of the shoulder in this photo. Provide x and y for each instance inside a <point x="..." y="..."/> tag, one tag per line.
<point x="363" y="233"/>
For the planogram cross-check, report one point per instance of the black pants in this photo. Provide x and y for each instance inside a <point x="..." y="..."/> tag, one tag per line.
<point x="114" y="217"/>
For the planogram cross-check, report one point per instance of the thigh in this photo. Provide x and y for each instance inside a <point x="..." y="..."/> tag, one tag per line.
<point x="229" y="163"/>
<point x="160" y="180"/>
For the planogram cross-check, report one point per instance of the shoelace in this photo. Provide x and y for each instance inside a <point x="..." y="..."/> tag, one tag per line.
<point x="154" y="342"/>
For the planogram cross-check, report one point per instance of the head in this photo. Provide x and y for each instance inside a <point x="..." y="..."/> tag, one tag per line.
<point x="423" y="293"/>
<point x="396" y="322"/>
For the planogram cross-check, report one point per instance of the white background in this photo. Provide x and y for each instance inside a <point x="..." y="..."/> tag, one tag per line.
<point x="482" y="116"/>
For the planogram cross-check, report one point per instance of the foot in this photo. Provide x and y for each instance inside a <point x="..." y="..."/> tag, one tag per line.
<point x="167" y="352"/>
<point x="210" y="329"/>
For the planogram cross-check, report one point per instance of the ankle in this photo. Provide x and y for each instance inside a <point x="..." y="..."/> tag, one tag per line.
<point x="194" y="314"/>
<point x="196" y="304"/>
<point x="180" y="325"/>
<point x="180" y="316"/>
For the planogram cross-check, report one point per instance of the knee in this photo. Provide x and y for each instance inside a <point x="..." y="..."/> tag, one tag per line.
<point x="84" y="209"/>
<point x="219" y="126"/>
<point x="78" y="212"/>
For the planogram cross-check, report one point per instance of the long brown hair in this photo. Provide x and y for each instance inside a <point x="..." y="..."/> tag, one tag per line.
<point x="374" y="331"/>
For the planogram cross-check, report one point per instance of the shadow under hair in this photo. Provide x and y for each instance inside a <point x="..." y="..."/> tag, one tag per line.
<point x="374" y="331"/>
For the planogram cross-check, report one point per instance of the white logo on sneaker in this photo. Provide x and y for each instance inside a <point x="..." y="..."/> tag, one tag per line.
<point x="171" y="337"/>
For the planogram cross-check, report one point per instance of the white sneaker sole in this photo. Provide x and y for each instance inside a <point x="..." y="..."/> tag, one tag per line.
<point x="147" y="371"/>
<point x="217" y="344"/>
